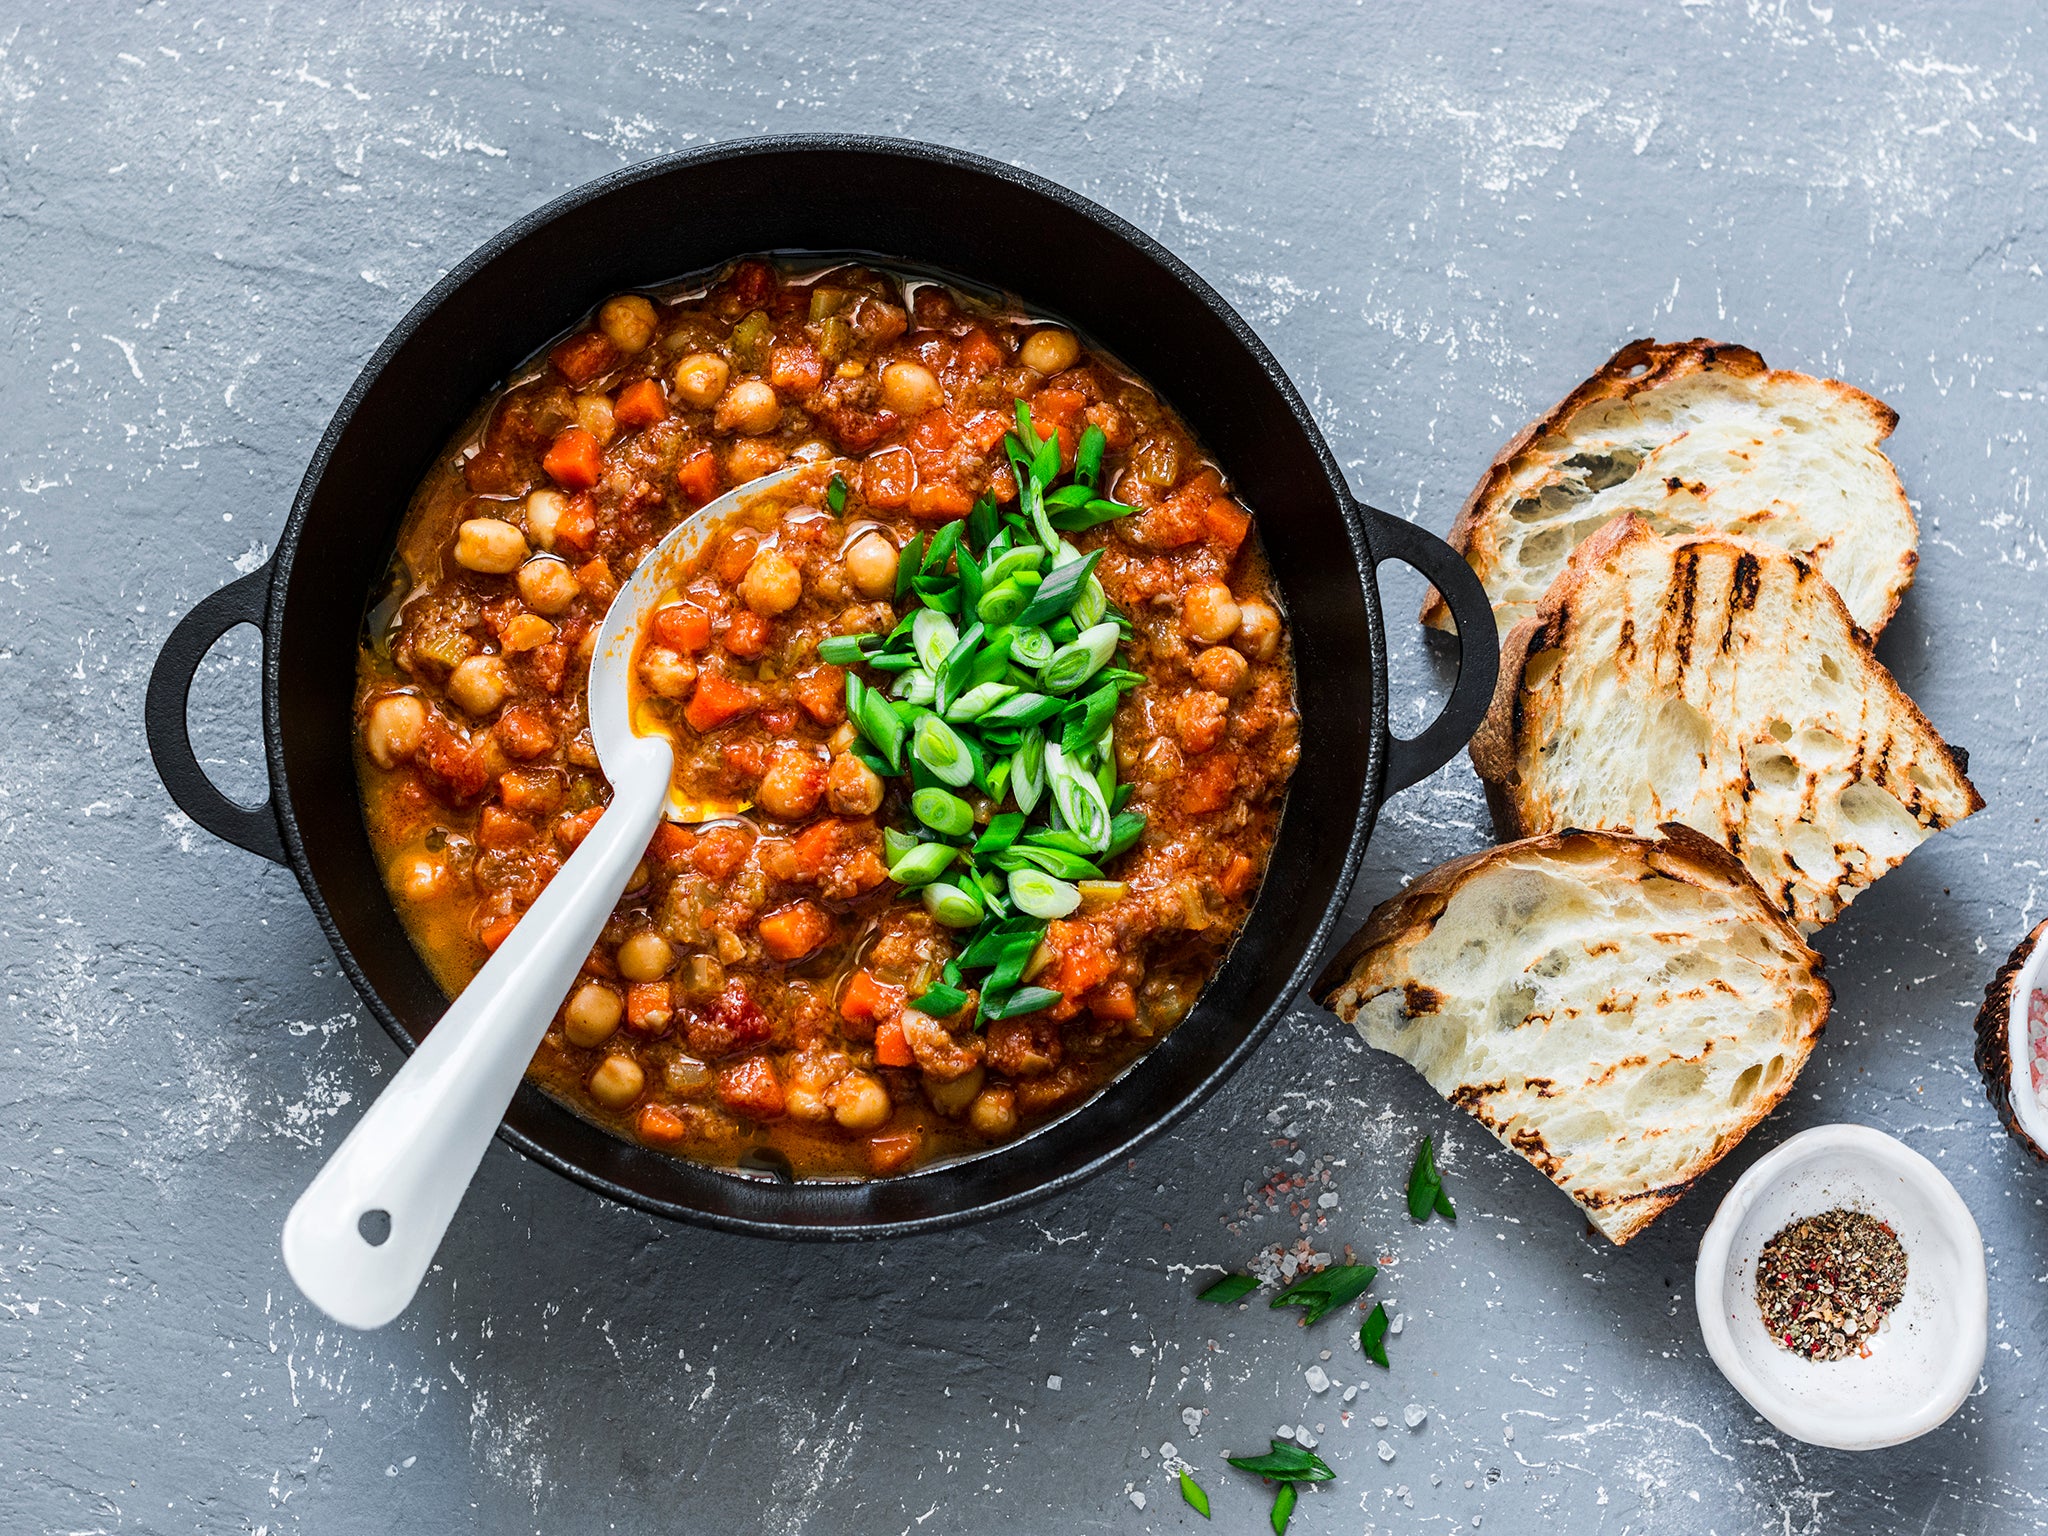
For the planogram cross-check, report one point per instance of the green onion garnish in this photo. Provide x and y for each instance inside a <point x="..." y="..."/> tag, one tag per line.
<point x="1039" y="894"/>
<point x="945" y="813"/>
<point x="953" y="905"/>
<point x="842" y="650"/>
<point x="942" y="751"/>
<point x="923" y="864"/>
<point x="835" y="495"/>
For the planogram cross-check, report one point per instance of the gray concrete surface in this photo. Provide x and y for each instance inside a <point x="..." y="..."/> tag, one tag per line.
<point x="1439" y="218"/>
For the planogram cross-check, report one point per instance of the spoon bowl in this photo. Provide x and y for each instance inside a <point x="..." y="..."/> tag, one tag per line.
<point x="360" y="1238"/>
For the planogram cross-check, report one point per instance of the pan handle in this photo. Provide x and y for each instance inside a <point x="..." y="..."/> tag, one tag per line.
<point x="253" y="827"/>
<point x="1412" y="758"/>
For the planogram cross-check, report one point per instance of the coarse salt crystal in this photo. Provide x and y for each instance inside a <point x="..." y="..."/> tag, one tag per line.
<point x="1399" y="1318"/>
<point x="1327" y="1199"/>
<point x="1350" y="1393"/>
<point x="1379" y="1421"/>
<point x="1386" y="1451"/>
<point x="1317" y="1378"/>
<point x="1138" y="1498"/>
<point x="1192" y="1417"/>
<point x="1303" y="1438"/>
<point x="1508" y="1433"/>
<point x="1168" y="1450"/>
<point x="1052" y="1383"/>
<point x="1414" y="1414"/>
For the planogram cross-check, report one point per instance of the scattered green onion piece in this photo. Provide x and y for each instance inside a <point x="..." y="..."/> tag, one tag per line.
<point x="896" y="844"/>
<point x="981" y="522"/>
<point x="1283" y="1508"/>
<point x="842" y="650"/>
<point x="892" y="663"/>
<point x="940" y="550"/>
<point x="1020" y="709"/>
<point x="1192" y="1495"/>
<point x="908" y="565"/>
<point x="998" y="780"/>
<point x="1027" y="776"/>
<point x="933" y="636"/>
<point x="1372" y="1334"/>
<point x="1230" y="1288"/>
<point x="1066" y="842"/>
<point x="1088" y="456"/>
<point x="1076" y="495"/>
<point x="1027" y="560"/>
<point x="988" y="666"/>
<point x="1078" y="797"/>
<point x="1125" y="828"/>
<point x="1001" y="603"/>
<point x="952" y="671"/>
<point x="1073" y="519"/>
<point x="1057" y="593"/>
<point x="1094" y="718"/>
<point x="971" y="579"/>
<point x="1041" y="895"/>
<point x="977" y="701"/>
<point x="987" y="947"/>
<point x="1320" y="1293"/>
<point x="1091" y="605"/>
<point x="1054" y="861"/>
<point x="942" y="811"/>
<point x="952" y="905"/>
<point x="942" y="750"/>
<point x="880" y="724"/>
<point x="941" y="1001"/>
<point x="1121" y="798"/>
<point x="1063" y="630"/>
<point x="835" y="494"/>
<point x="1025" y="1000"/>
<point x="1032" y="647"/>
<point x="1074" y="663"/>
<point x="915" y="687"/>
<point x="1000" y="832"/>
<point x="923" y="864"/>
<point x="1286" y="1462"/>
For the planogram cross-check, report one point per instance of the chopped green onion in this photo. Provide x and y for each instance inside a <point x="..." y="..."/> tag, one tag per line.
<point x="896" y="844"/>
<point x="915" y="687"/>
<point x="1073" y="519"/>
<point x="942" y="811"/>
<point x="923" y="864"/>
<point x="976" y="701"/>
<point x="1063" y="630"/>
<point x="933" y="636"/>
<point x="951" y="905"/>
<point x="908" y="564"/>
<point x="941" y="1001"/>
<point x="940" y="550"/>
<point x="1056" y="594"/>
<point x="1041" y="895"/>
<point x="877" y="721"/>
<point x="1124" y="830"/>
<point x="1283" y="1507"/>
<point x="1000" y="833"/>
<point x="1027" y="778"/>
<point x="887" y="663"/>
<point x="1054" y="861"/>
<point x="835" y="494"/>
<point x="1227" y="1290"/>
<point x="842" y="650"/>
<point x="1320" y="1293"/>
<point x="1066" y="842"/>
<point x="952" y="671"/>
<point x="1088" y="466"/>
<point x="981" y="522"/>
<point x="1287" y="1462"/>
<point x="1024" y="1000"/>
<point x="1020" y="709"/>
<point x="1095" y="716"/>
<point x="1078" y="797"/>
<point x="1016" y="562"/>
<point x="1091" y="605"/>
<point x="1073" y="664"/>
<point x="1190" y="1490"/>
<point x="1076" y="495"/>
<point x="942" y="750"/>
<point x="1002" y="602"/>
<point x="1372" y="1334"/>
<point x="971" y="579"/>
<point x="1032" y="647"/>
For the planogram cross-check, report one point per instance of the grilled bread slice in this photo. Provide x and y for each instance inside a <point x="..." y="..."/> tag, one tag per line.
<point x="1718" y="682"/>
<point x="1620" y="1010"/>
<point x="1695" y="436"/>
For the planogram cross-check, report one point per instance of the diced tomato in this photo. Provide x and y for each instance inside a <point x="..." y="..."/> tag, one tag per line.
<point x="865" y="999"/>
<point x="719" y="700"/>
<point x="699" y="476"/>
<point x="658" y="1125"/>
<point x="1209" y="786"/>
<point x="1226" y="523"/>
<point x="671" y="842"/>
<point x="649" y="1008"/>
<point x="933" y="433"/>
<point x="730" y="1021"/>
<point x="683" y="627"/>
<point x="791" y="932"/>
<point x="531" y="792"/>
<point x="746" y="635"/>
<point x="1055" y="408"/>
<point x="454" y="768"/>
<point x="752" y="1087"/>
<point x="940" y="502"/>
<point x="524" y="733"/>
<point x="500" y="828"/>
<point x="496" y="932"/>
<point x="1114" y="1001"/>
<point x="584" y="356"/>
<point x="572" y="828"/>
<point x="984" y="430"/>
<point x="1237" y="877"/>
<point x="576" y="528"/>
<point x="597" y="581"/>
<point x="735" y="553"/>
<point x="1083" y="964"/>
<point x="821" y="690"/>
<point x="887" y="479"/>
<point x="979" y="354"/>
<point x="893" y="1151"/>
<point x="748" y="757"/>
<point x="892" y="1046"/>
<point x="796" y="369"/>
<point x="575" y="459"/>
<point x="720" y="851"/>
<point x="640" y="404"/>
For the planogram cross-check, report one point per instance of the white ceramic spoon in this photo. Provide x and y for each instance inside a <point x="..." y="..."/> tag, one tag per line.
<point x="413" y="1153"/>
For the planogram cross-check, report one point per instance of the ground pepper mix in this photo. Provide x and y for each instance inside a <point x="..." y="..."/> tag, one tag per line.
<point x="1825" y="1283"/>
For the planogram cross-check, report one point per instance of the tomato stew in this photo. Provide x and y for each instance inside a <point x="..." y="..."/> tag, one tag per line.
<point x="864" y="950"/>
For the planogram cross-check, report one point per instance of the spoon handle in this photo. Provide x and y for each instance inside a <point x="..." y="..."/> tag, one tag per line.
<point x="414" y="1152"/>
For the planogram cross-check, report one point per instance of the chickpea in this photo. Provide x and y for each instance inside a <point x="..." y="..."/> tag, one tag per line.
<point x="1051" y="350"/>
<point x="772" y="584"/>
<point x="668" y="673"/>
<point x="592" y="1014"/>
<point x="752" y="457"/>
<point x="1222" y="670"/>
<point x="950" y="1098"/>
<point x="544" y="511"/>
<point x="392" y="731"/>
<point x="418" y="876"/>
<point x="490" y="545"/>
<point x="1210" y="614"/>
<point x="852" y="787"/>
<point x="800" y="1103"/>
<point x="547" y="585"/>
<point x="1258" y="631"/>
<point x="617" y="1082"/>
<point x="871" y="565"/>
<point x="646" y="956"/>
<point x="791" y="787"/>
<point x="859" y="1101"/>
<point x="911" y="389"/>
<point x="993" y="1112"/>
<point x="594" y="415"/>
<point x="700" y="379"/>
<point x="749" y="407"/>
<point x="630" y="322"/>
<point x="479" y="684"/>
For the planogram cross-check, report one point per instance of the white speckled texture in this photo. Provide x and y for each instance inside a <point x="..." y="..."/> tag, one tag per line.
<point x="1439" y="218"/>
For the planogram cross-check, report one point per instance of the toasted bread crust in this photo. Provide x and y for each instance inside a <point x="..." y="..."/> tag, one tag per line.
<point x="1505" y="736"/>
<point x="1640" y="367"/>
<point x="1994" y="1050"/>
<point x="1678" y="853"/>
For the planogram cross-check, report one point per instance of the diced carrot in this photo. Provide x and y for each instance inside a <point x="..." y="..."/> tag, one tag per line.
<point x="746" y="635"/>
<point x="821" y="690"/>
<point x="865" y="998"/>
<point x="499" y="828"/>
<point x="888" y="478"/>
<point x="524" y="733"/>
<point x="979" y="354"/>
<point x="584" y="356"/>
<point x="1053" y="408"/>
<point x="1227" y="523"/>
<point x="699" y="476"/>
<point x="796" y="368"/>
<point x="791" y="932"/>
<point x="940" y="501"/>
<point x="671" y="842"/>
<point x="752" y="1087"/>
<point x="572" y="828"/>
<point x="817" y="846"/>
<point x="933" y="433"/>
<point x="658" y="1125"/>
<point x="893" y="1151"/>
<point x="496" y="932"/>
<point x="640" y="404"/>
<point x="530" y="792"/>
<point x="984" y="430"/>
<point x="1114" y="1000"/>
<point x="736" y="552"/>
<point x="576" y="529"/>
<point x="649" y="1008"/>
<point x="718" y="701"/>
<point x="1083" y="963"/>
<point x="720" y="851"/>
<point x="892" y="1046"/>
<point x="575" y="459"/>
<point x="1237" y="877"/>
<point x="1209" y="786"/>
<point x="683" y="627"/>
<point x="597" y="581"/>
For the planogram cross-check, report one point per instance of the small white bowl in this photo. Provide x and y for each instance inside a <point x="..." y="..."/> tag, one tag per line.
<point x="1925" y="1358"/>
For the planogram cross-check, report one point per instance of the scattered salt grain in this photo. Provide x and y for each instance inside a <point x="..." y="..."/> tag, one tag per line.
<point x="1350" y="1393"/>
<point x="1285" y="1432"/>
<point x="1052" y="1383"/>
<point x="1414" y="1414"/>
<point x="1324" y="1355"/>
<point x="1386" y="1451"/>
<point x="1138" y="1498"/>
<point x="1399" y="1319"/>
<point x="1192" y="1417"/>
<point x="1168" y="1450"/>
<point x="1379" y="1421"/>
<point x="1303" y="1438"/>
<point x="1327" y="1199"/>
<point x="1508" y="1434"/>
<point x="1317" y="1378"/>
